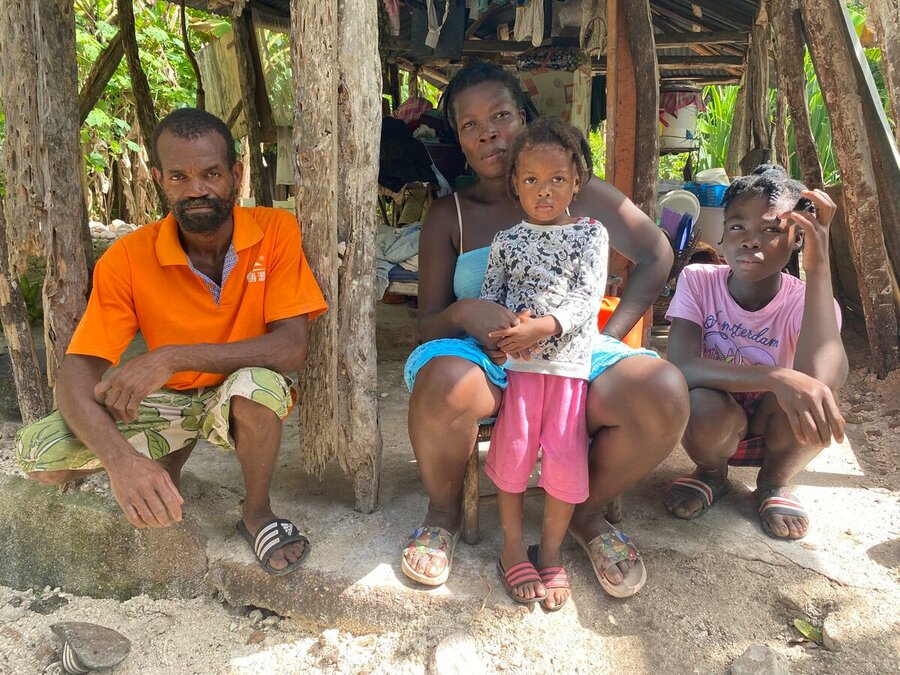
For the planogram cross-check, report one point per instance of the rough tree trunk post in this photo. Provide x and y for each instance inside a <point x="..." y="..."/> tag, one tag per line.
<point x="30" y="386"/>
<point x="738" y="143"/>
<point x="632" y="114"/>
<point x="834" y="69"/>
<point x="258" y="180"/>
<point x="96" y="82"/>
<point x="143" y="99"/>
<point x="787" y="29"/>
<point x="39" y="86"/>
<point x="359" y="101"/>
<point x="756" y="81"/>
<point x="781" y="154"/>
<point x="315" y="67"/>
<point x="885" y="15"/>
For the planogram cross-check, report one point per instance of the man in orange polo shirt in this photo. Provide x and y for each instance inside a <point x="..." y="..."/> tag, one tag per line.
<point x="223" y="296"/>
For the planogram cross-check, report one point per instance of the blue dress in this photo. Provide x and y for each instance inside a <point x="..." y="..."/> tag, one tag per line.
<point x="467" y="279"/>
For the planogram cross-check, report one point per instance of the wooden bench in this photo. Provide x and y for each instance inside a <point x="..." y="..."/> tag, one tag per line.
<point x="473" y="498"/>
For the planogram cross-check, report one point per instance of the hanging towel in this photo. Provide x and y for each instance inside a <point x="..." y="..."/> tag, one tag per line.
<point x="392" y="7"/>
<point x="529" y="21"/>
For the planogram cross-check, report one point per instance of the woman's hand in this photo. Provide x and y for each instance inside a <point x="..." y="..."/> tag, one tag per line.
<point x="810" y="407"/>
<point x="479" y="318"/>
<point x="815" y="229"/>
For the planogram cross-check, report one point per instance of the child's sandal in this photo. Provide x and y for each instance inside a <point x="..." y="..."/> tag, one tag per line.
<point x="517" y="576"/>
<point x="551" y="577"/>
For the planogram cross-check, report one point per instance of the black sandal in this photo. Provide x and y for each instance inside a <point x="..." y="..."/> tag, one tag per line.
<point x="272" y="537"/>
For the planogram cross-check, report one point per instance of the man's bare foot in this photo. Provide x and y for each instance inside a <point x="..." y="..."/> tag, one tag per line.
<point x="432" y="564"/>
<point x="282" y="557"/>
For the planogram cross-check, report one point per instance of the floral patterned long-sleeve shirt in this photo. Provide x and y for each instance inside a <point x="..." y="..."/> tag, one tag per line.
<point x="556" y="270"/>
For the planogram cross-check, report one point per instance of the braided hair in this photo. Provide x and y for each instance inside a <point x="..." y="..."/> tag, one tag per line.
<point x="551" y="131"/>
<point x="479" y="72"/>
<point x="772" y="182"/>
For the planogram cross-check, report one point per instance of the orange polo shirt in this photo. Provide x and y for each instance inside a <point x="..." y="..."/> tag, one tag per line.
<point x="143" y="282"/>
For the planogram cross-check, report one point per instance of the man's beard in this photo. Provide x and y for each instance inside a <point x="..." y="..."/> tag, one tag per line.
<point x="205" y="222"/>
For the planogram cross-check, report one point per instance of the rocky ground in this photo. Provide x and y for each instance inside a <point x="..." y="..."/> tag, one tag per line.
<point x="717" y="586"/>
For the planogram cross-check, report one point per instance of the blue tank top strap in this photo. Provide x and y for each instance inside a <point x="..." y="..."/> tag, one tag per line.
<point x="470" y="265"/>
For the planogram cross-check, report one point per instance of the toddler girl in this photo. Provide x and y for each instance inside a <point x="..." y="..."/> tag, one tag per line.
<point x="551" y="271"/>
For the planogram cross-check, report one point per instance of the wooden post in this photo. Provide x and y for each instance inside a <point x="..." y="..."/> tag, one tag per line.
<point x="780" y="153"/>
<point x="787" y="29"/>
<point x="885" y="16"/>
<point x="258" y="179"/>
<point x="756" y="81"/>
<point x="359" y="109"/>
<point x="738" y="142"/>
<point x="143" y="99"/>
<point x="30" y="386"/>
<point x="39" y="87"/>
<point x="833" y="61"/>
<point x="314" y="35"/>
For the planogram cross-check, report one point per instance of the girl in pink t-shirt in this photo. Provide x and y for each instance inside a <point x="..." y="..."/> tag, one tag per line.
<point x="761" y="351"/>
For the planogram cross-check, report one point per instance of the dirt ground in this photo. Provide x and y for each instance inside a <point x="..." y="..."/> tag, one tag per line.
<point x="716" y="585"/>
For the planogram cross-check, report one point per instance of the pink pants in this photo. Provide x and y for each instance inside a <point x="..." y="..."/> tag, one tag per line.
<point x="541" y="412"/>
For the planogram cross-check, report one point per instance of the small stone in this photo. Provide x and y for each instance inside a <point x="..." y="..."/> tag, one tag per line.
<point x="270" y="621"/>
<point x="233" y="627"/>
<point x="256" y="637"/>
<point x="457" y="654"/>
<point x="330" y="637"/>
<point x="255" y="616"/>
<point x="760" y="660"/>
<point x="48" y="605"/>
<point x="833" y="634"/>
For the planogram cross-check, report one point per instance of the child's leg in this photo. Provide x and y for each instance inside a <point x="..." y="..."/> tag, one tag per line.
<point x="511" y="458"/>
<point x="784" y="458"/>
<point x="557" y="515"/>
<point x="510" y="506"/>
<point x="564" y="469"/>
<point x="716" y="426"/>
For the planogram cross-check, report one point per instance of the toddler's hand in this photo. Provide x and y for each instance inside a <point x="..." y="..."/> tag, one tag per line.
<point x="519" y="339"/>
<point x="815" y="229"/>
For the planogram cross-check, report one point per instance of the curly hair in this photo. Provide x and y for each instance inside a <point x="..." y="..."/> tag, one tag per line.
<point x="479" y="72"/>
<point x="551" y="131"/>
<point x="191" y="123"/>
<point x="771" y="182"/>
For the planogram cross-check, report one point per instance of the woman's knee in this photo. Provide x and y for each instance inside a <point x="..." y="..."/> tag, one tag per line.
<point x="447" y="388"/>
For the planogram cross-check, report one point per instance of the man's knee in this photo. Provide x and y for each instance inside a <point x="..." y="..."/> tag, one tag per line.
<point x="53" y="477"/>
<point x="715" y="419"/>
<point x="246" y="412"/>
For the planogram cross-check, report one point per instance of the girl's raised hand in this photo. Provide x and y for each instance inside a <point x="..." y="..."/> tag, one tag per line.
<point x="815" y="228"/>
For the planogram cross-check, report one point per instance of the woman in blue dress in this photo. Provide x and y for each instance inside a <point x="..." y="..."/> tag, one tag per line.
<point x="637" y="405"/>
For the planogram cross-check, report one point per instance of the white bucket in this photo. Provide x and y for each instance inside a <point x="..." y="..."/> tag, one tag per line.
<point x="681" y="134"/>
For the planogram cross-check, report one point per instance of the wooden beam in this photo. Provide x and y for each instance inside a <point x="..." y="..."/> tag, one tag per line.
<point x="833" y="61"/>
<point x="101" y="72"/>
<point x="259" y="181"/>
<point x="479" y="22"/>
<point x="359" y="113"/>
<point x="666" y="40"/>
<point x="314" y="57"/>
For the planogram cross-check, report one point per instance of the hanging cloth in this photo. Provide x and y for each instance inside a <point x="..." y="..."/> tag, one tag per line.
<point x="529" y="21"/>
<point x="593" y="35"/>
<point x="392" y="7"/>
<point x="437" y="29"/>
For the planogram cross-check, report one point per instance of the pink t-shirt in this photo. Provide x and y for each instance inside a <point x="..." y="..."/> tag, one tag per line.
<point x="766" y="337"/>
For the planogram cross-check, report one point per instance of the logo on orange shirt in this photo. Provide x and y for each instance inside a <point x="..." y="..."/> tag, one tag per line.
<point x="258" y="273"/>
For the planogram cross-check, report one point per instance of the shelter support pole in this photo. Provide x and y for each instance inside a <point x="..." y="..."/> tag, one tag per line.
<point x="885" y="16"/>
<point x="632" y="163"/>
<point x="359" y="115"/>
<point x="787" y="29"/>
<point x="832" y="47"/>
<point x="43" y="204"/>
<point x="337" y="119"/>
<point x="756" y="81"/>
<point x="259" y="182"/>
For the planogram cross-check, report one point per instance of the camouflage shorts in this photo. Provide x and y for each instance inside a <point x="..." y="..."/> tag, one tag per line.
<point x="168" y="420"/>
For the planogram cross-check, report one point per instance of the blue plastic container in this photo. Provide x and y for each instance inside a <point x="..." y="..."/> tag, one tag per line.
<point x="710" y="194"/>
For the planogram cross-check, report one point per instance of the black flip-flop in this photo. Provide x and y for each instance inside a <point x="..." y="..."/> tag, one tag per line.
<point x="272" y="537"/>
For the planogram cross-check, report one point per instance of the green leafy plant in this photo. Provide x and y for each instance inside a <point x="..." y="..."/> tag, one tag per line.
<point x="31" y="292"/>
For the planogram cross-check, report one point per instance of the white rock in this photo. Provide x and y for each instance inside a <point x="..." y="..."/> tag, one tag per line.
<point x="116" y="223"/>
<point x="833" y="633"/>
<point x="457" y="654"/>
<point x="760" y="660"/>
<point x="255" y="615"/>
<point x="106" y="234"/>
<point x="123" y="228"/>
<point x="330" y="637"/>
<point x="96" y="226"/>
